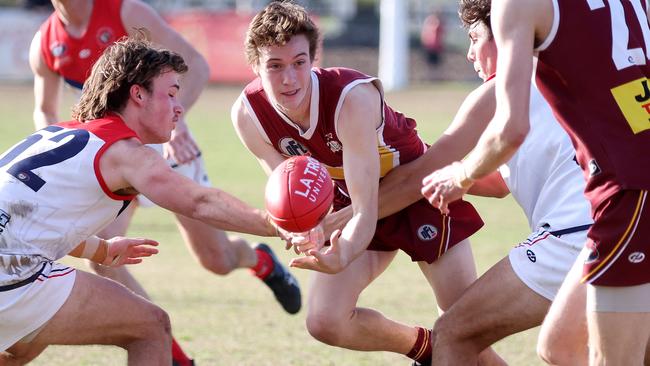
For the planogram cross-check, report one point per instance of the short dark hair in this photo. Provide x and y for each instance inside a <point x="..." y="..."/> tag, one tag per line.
<point x="474" y="11"/>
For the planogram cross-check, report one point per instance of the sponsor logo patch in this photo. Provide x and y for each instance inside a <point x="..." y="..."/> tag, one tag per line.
<point x="636" y="257"/>
<point x="85" y="53"/>
<point x="57" y="49"/>
<point x="427" y="232"/>
<point x="593" y="255"/>
<point x="594" y="168"/>
<point x="292" y="147"/>
<point x="633" y="98"/>
<point x="104" y="35"/>
<point x="531" y="255"/>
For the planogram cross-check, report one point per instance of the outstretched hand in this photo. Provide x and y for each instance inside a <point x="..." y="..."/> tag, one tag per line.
<point x="123" y="251"/>
<point x="181" y="147"/>
<point x="441" y="187"/>
<point x="332" y="260"/>
<point x="308" y="240"/>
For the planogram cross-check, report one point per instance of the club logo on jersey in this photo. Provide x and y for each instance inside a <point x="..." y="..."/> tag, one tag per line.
<point x="427" y="232"/>
<point x="4" y="220"/>
<point x="594" y="168"/>
<point x="636" y="257"/>
<point x="531" y="255"/>
<point x="104" y="35"/>
<point x="633" y="98"/>
<point x="292" y="147"/>
<point x="57" y="49"/>
<point x="333" y="144"/>
<point x="85" y="53"/>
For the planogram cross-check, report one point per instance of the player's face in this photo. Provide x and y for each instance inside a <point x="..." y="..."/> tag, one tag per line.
<point x="162" y="108"/>
<point x="482" y="50"/>
<point x="286" y="74"/>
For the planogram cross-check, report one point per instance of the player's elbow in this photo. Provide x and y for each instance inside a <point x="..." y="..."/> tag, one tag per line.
<point x="201" y="67"/>
<point x="514" y="135"/>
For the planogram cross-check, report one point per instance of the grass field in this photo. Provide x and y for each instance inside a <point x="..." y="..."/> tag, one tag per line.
<point x="234" y="320"/>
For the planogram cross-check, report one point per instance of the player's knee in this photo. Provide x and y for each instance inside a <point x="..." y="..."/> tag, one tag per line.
<point x="553" y="352"/>
<point x="10" y="359"/>
<point x="155" y="327"/>
<point x="325" y="328"/>
<point x="217" y="264"/>
<point x="447" y="333"/>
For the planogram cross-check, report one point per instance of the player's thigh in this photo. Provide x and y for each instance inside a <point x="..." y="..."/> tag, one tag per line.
<point x="340" y="292"/>
<point x="101" y="311"/>
<point x="621" y="337"/>
<point x="498" y="304"/>
<point x="566" y="322"/>
<point x="451" y="274"/>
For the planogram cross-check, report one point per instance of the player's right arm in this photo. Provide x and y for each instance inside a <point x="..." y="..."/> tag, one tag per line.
<point x="128" y="165"/>
<point x="47" y="86"/>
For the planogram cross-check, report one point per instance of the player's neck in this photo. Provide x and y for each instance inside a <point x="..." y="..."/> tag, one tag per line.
<point x="75" y="15"/>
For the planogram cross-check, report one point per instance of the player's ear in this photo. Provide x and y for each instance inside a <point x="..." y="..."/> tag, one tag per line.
<point x="136" y="92"/>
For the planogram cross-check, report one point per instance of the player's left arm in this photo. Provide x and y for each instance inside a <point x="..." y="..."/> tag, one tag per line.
<point x="513" y="26"/>
<point x="359" y="117"/>
<point x="137" y="14"/>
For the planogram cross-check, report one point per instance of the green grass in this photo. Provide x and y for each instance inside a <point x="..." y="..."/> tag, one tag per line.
<point x="234" y="320"/>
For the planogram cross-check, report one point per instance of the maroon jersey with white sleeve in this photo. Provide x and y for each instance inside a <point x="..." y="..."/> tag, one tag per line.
<point x="596" y="79"/>
<point x="397" y="139"/>
<point x="419" y="230"/>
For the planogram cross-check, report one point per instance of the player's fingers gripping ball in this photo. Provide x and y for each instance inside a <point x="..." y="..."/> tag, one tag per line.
<point x="299" y="194"/>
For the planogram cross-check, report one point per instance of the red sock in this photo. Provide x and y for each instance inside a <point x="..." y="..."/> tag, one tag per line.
<point x="179" y="357"/>
<point x="264" y="265"/>
<point x="421" y="351"/>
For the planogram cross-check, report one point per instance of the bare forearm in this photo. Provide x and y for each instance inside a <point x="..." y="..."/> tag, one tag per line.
<point x="357" y="233"/>
<point x="226" y="212"/>
<point x="494" y="148"/>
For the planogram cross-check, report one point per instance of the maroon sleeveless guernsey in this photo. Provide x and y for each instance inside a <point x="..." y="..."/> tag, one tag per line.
<point x="73" y="58"/>
<point x="397" y="139"/>
<point x="593" y="69"/>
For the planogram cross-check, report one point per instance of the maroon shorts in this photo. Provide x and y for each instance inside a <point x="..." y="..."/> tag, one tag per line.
<point x="618" y="241"/>
<point x="420" y="230"/>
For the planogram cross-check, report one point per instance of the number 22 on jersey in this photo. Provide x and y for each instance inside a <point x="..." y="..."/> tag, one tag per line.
<point x="22" y="169"/>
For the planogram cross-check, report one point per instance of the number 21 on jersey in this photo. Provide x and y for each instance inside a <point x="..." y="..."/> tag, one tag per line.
<point x="633" y="98"/>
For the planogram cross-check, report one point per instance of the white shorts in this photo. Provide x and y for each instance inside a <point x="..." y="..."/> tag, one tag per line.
<point x="28" y="305"/>
<point x="543" y="260"/>
<point x="195" y="170"/>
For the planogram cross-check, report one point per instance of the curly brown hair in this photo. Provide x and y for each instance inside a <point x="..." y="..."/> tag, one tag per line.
<point x="275" y="25"/>
<point x="473" y="11"/>
<point x="129" y="61"/>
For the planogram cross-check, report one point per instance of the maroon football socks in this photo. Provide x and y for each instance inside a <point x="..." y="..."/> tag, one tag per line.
<point x="421" y="351"/>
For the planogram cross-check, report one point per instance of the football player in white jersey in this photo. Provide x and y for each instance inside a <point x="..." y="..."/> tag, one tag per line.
<point x="546" y="182"/>
<point x="67" y="181"/>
